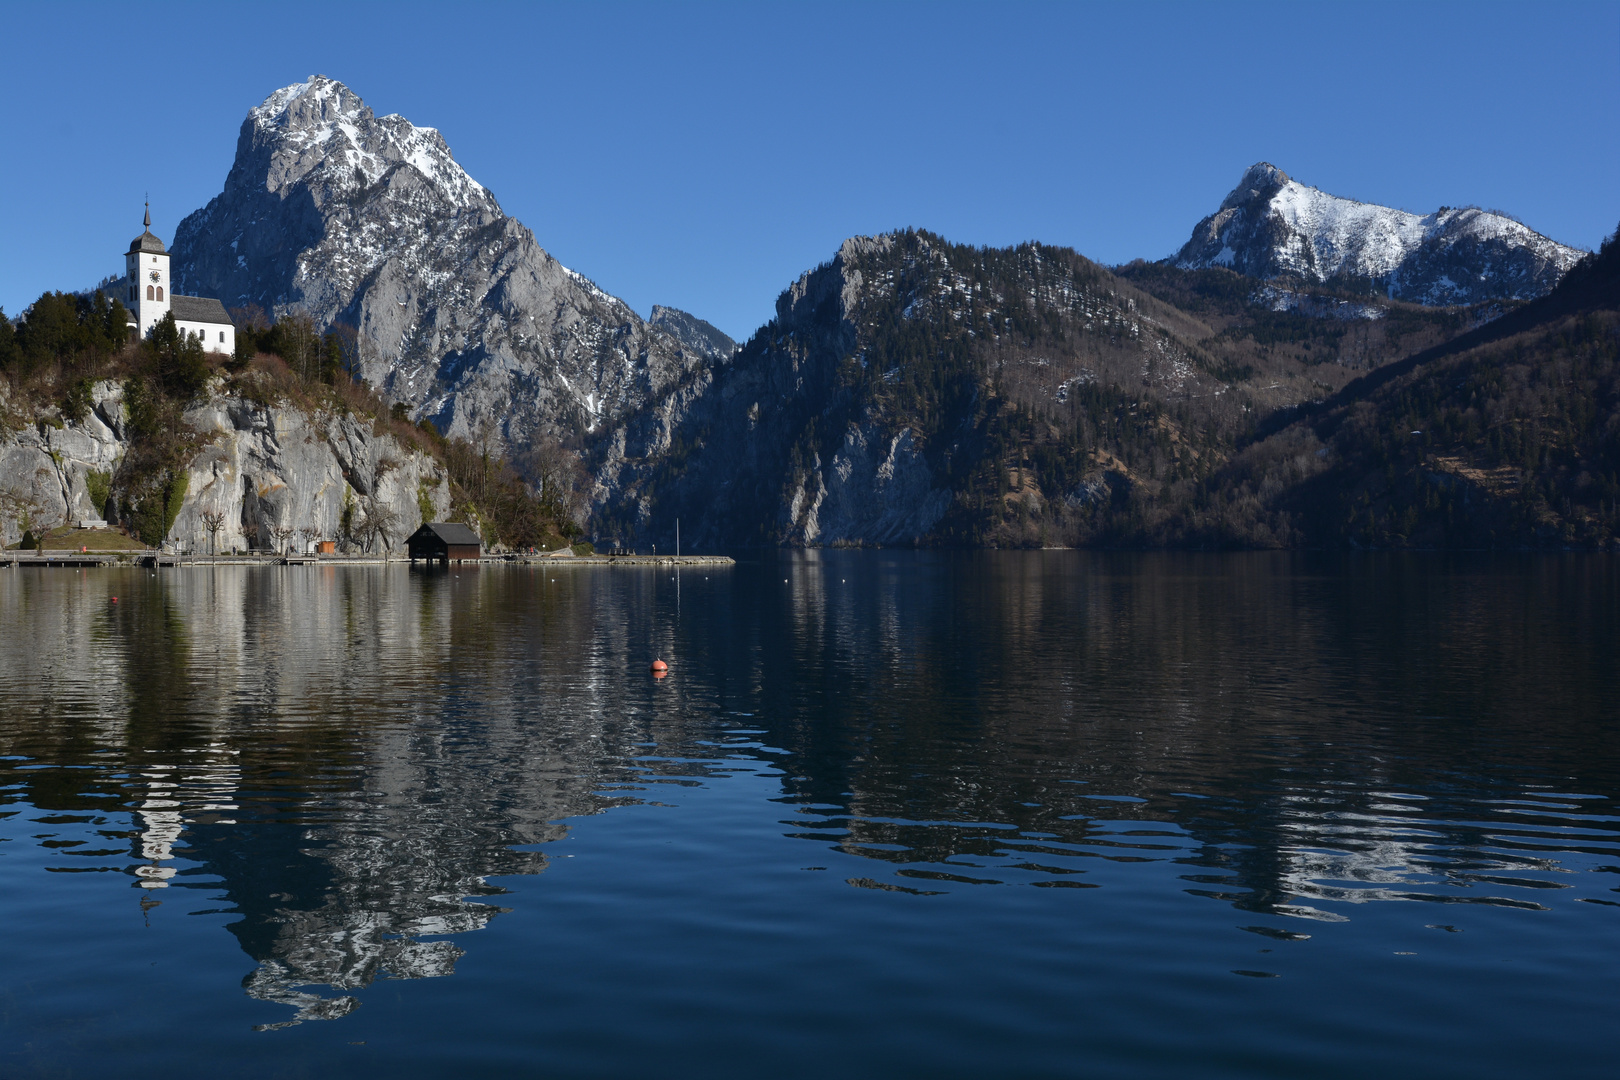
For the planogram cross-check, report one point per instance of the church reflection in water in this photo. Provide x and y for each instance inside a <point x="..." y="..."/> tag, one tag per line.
<point x="340" y="754"/>
<point x="347" y="756"/>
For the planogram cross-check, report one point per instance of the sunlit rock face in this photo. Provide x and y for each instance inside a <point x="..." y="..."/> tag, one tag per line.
<point x="259" y="469"/>
<point x="369" y="221"/>
<point x="1271" y="225"/>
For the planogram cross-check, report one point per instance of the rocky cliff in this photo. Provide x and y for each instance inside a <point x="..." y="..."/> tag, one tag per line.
<point x="1271" y="226"/>
<point x="260" y="466"/>
<point x="369" y="221"/>
<point x="890" y="396"/>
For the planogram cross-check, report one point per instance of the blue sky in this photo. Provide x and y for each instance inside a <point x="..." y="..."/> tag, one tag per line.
<point x="704" y="155"/>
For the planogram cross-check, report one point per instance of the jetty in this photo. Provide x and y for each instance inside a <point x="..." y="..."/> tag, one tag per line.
<point x="14" y="559"/>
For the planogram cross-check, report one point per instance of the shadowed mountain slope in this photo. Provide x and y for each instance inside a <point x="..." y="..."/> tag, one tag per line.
<point x="1507" y="437"/>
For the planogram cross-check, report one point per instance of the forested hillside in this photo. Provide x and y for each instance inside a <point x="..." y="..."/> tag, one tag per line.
<point x="918" y="391"/>
<point x="1507" y="437"/>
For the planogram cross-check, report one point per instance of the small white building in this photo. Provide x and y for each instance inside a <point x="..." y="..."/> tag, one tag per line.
<point x="145" y="291"/>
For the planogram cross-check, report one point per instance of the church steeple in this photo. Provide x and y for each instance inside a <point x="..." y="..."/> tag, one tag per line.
<point x="146" y="270"/>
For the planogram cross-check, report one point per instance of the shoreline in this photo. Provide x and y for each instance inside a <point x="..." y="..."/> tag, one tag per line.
<point x="53" y="557"/>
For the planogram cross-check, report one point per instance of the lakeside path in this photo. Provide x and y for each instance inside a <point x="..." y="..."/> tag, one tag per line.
<point x="53" y="557"/>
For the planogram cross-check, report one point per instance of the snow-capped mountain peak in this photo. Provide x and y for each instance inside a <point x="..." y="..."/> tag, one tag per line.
<point x="320" y="123"/>
<point x="1271" y="225"/>
<point x="333" y="212"/>
<point x="1260" y="178"/>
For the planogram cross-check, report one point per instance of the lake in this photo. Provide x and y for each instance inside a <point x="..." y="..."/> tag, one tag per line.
<point x="1034" y="814"/>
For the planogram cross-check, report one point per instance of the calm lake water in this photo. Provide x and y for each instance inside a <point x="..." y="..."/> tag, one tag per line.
<point x="890" y="814"/>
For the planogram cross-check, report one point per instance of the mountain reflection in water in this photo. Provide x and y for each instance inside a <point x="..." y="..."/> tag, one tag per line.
<point x="344" y="758"/>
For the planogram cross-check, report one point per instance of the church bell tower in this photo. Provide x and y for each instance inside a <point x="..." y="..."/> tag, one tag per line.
<point x="146" y="269"/>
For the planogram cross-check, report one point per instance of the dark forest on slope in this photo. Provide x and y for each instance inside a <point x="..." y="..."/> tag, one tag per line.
<point x="1507" y="437"/>
<point x="1058" y="403"/>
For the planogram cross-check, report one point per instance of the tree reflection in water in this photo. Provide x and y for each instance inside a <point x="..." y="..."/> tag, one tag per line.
<point x="347" y="756"/>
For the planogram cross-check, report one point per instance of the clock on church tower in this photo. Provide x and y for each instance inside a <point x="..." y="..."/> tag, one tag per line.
<point x="147" y="271"/>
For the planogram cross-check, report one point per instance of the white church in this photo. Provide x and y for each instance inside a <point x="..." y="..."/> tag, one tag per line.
<point x="146" y="293"/>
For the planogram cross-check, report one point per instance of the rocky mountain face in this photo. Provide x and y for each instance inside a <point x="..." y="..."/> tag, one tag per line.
<point x="262" y="467"/>
<point x="1503" y="437"/>
<point x="917" y="391"/>
<point x="369" y="221"/>
<point x="1272" y="226"/>
<point x="908" y="391"/>
<point x="693" y="333"/>
<point x="898" y="397"/>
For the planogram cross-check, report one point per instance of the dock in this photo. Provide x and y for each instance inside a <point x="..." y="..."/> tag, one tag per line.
<point x="14" y="559"/>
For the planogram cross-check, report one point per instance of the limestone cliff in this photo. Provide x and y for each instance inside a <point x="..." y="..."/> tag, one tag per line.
<point x="260" y="466"/>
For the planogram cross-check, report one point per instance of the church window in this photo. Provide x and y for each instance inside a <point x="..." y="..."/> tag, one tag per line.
<point x="160" y="292"/>
<point x="222" y="337"/>
<point x="149" y="295"/>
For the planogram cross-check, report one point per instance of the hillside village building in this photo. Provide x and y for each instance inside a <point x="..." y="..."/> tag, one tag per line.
<point x="145" y="291"/>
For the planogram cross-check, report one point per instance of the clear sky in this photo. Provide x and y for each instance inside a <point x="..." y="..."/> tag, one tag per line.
<point x="704" y="155"/>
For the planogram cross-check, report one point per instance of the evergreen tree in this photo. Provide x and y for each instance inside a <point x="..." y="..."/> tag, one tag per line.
<point x="9" y="352"/>
<point x="176" y="359"/>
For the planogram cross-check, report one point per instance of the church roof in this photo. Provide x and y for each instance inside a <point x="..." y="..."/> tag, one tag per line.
<point x="201" y="309"/>
<point x="147" y="242"/>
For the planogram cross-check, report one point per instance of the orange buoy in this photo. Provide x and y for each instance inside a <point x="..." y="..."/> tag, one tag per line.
<point x="659" y="666"/>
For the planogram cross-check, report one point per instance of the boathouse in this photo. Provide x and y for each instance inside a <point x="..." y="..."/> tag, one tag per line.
<point x="443" y="541"/>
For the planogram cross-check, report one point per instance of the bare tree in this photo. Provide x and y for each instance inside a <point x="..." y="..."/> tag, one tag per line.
<point x="380" y="520"/>
<point x="281" y="533"/>
<point x="301" y="342"/>
<point x="349" y="355"/>
<point x="308" y="532"/>
<point x="251" y="532"/>
<point x="557" y="475"/>
<point x="213" y="521"/>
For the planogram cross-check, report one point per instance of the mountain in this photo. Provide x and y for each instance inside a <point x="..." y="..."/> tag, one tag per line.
<point x="1272" y="226"/>
<point x="1504" y="437"/>
<point x="915" y="391"/>
<point x="693" y="332"/>
<point x="356" y="219"/>
<point x="912" y="390"/>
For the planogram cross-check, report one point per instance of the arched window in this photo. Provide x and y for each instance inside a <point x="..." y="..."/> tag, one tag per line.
<point x="149" y="295"/>
<point x="160" y="292"/>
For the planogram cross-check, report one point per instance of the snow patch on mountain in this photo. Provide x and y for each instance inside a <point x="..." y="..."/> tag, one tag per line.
<point x="1271" y="225"/>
